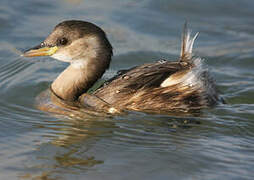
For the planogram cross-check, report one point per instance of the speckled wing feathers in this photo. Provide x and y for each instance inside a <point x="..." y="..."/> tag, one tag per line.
<point x="139" y="88"/>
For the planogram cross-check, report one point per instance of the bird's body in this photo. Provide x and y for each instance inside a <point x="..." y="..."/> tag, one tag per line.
<point x="145" y="88"/>
<point x="163" y="86"/>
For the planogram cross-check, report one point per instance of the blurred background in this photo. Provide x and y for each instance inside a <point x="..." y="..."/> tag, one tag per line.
<point x="217" y="144"/>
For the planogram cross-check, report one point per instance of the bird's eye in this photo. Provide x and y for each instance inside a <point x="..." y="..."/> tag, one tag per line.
<point x="62" y="41"/>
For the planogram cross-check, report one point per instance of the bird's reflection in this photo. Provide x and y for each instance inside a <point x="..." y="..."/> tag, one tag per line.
<point x="72" y="133"/>
<point x="77" y="130"/>
<point x="70" y="139"/>
<point x="67" y="160"/>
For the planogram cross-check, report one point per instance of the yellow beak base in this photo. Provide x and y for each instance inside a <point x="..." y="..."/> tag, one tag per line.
<point x="44" y="51"/>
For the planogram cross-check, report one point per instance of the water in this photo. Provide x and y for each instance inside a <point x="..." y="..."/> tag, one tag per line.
<point x="218" y="144"/>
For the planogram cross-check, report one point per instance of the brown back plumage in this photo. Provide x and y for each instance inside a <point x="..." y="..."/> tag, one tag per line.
<point x="165" y="86"/>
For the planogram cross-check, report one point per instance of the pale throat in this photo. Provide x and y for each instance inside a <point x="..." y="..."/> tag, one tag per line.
<point x="83" y="71"/>
<point x="68" y="83"/>
<point x="77" y="78"/>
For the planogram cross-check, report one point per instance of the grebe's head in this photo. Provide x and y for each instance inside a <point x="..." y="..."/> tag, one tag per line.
<point x="75" y="42"/>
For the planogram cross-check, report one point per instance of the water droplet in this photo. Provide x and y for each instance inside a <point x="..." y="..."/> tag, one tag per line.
<point x="162" y="61"/>
<point x="126" y="77"/>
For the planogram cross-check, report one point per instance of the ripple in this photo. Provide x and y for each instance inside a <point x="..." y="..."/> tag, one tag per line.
<point x="9" y="73"/>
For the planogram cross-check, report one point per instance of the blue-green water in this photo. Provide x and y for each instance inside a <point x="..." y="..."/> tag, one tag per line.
<point x="218" y="144"/>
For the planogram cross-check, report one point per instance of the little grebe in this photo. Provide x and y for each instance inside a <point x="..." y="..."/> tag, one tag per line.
<point x="163" y="86"/>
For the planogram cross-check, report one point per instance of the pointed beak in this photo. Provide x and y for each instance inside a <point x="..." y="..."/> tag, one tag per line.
<point x="40" y="50"/>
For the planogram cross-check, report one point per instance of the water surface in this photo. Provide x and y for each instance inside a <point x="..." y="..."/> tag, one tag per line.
<point x="217" y="144"/>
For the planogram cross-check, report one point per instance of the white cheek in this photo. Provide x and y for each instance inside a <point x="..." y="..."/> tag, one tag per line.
<point x="61" y="56"/>
<point x="78" y="51"/>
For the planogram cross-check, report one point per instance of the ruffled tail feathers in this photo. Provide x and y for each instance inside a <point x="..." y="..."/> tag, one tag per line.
<point x="187" y="45"/>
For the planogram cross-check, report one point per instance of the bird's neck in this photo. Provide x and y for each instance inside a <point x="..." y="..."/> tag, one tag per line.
<point x="77" y="78"/>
